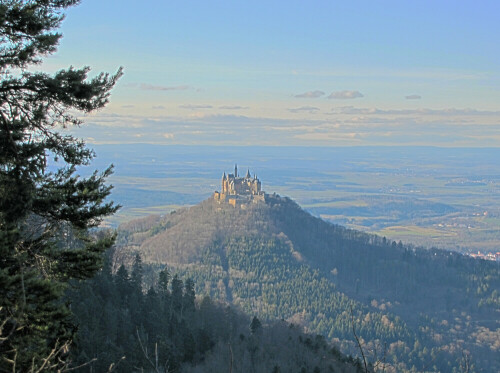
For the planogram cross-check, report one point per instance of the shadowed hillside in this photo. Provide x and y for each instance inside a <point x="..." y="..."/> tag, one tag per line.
<point x="124" y="329"/>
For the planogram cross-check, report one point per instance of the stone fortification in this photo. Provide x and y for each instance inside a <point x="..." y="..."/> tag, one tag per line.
<point x="239" y="191"/>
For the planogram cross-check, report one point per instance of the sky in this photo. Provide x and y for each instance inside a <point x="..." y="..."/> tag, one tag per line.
<point x="308" y="73"/>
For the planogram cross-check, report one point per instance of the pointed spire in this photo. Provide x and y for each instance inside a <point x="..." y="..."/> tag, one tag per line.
<point x="235" y="170"/>
<point x="247" y="176"/>
<point x="224" y="176"/>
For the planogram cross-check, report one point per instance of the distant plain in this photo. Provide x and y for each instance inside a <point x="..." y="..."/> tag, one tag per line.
<point x="428" y="196"/>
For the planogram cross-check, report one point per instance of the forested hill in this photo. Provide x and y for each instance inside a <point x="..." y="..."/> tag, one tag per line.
<point x="427" y="309"/>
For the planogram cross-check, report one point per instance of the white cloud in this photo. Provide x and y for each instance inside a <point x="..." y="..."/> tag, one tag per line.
<point x="310" y="94"/>
<point x="236" y="107"/>
<point x="195" y="107"/>
<point x="309" y="109"/>
<point x="158" y="107"/>
<point x="347" y="126"/>
<point x="328" y="136"/>
<point x="151" y="87"/>
<point x="436" y="112"/>
<point x="413" y="97"/>
<point x="345" y="95"/>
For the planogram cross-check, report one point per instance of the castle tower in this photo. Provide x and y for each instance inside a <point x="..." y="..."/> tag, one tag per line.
<point x="238" y="190"/>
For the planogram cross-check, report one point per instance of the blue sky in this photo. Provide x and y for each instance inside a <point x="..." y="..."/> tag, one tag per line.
<point x="291" y="72"/>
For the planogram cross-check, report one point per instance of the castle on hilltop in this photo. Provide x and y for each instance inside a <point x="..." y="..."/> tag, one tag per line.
<point x="240" y="190"/>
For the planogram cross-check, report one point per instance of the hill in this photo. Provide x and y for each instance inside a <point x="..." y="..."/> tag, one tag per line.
<point x="424" y="309"/>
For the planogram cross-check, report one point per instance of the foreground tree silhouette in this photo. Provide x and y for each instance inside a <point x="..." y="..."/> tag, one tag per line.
<point x="45" y="216"/>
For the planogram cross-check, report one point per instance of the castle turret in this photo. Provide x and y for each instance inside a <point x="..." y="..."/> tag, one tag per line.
<point x="224" y="188"/>
<point x="247" y="176"/>
<point x="235" y="170"/>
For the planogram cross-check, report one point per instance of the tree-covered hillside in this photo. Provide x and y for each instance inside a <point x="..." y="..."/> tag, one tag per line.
<point x="424" y="309"/>
<point x="124" y="329"/>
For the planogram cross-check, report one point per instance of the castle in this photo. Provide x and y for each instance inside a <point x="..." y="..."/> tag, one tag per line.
<point x="240" y="190"/>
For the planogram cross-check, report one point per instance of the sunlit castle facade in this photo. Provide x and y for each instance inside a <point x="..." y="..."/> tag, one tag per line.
<point x="240" y="190"/>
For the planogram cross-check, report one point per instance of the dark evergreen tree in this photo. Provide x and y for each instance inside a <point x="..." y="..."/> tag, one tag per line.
<point x="176" y="304"/>
<point x="163" y="279"/>
<point x="256" y="325"/>
<point x="137" y="273"/>
<point x="45" y="216"/>
<point x="123" y="285"/>
<point x="189" y="295"/>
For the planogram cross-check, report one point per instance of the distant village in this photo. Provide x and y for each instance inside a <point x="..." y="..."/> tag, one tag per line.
<point x="486" y="256"/>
